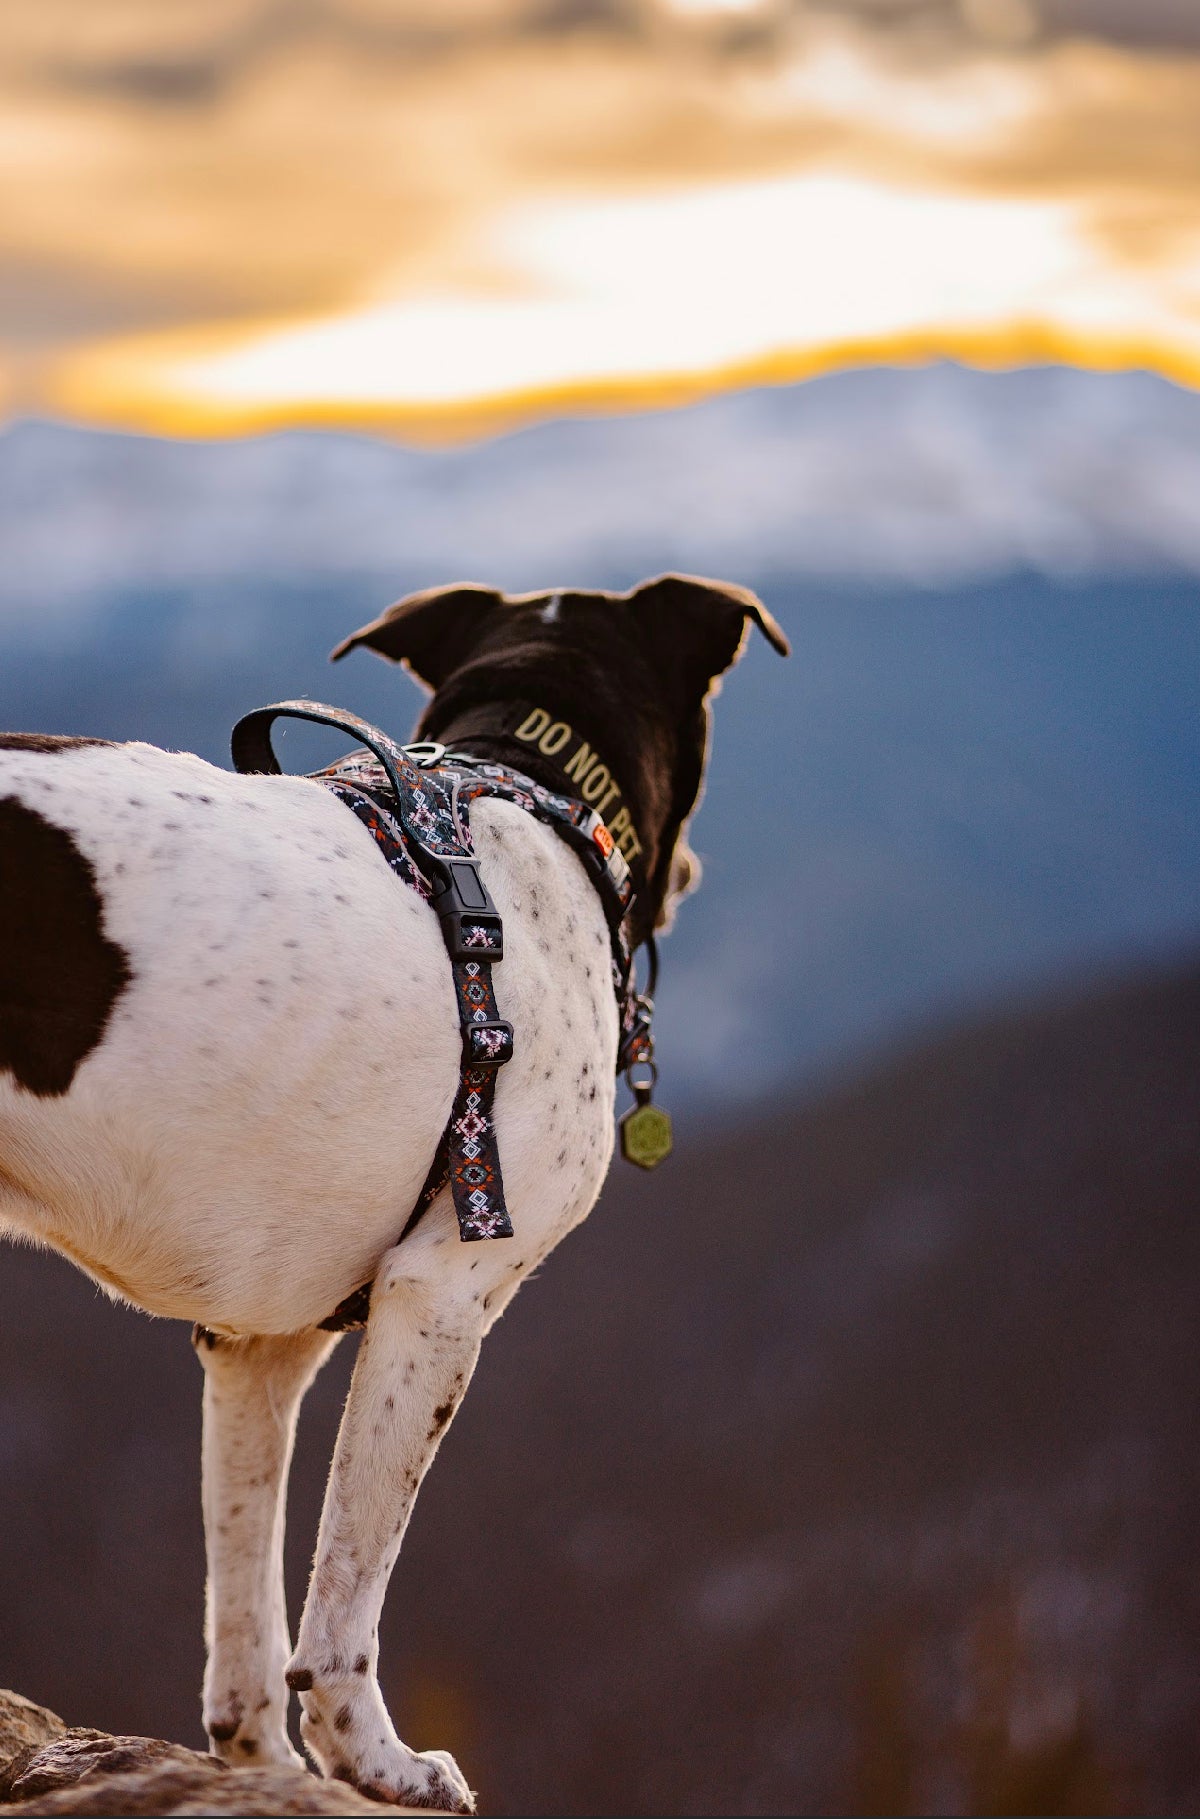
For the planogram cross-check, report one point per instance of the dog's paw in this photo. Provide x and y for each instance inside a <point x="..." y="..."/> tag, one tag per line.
<point x="350" y="1737"/>
<point x="432" y="1781"/>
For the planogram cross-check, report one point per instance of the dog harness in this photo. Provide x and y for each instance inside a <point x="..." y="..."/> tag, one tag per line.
<point x="414" y="800"/>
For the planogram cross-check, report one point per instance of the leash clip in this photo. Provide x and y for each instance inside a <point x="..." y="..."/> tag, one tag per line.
<point x="638" y="1043"/>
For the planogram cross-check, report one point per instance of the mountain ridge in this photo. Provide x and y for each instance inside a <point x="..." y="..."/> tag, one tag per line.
<point x="924" y="476"/>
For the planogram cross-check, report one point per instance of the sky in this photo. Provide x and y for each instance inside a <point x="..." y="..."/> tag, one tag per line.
<point x="444" y="217"/>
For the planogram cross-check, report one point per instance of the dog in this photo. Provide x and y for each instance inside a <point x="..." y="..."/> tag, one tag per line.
<point x="229" y="1046"/>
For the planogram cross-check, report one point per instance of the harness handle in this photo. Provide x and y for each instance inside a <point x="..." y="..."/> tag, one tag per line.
<point x="252" y="751"/>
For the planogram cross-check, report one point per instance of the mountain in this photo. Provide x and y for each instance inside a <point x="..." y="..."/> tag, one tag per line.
<point x="846" y="1464"/>
<point x="911" y="475"/>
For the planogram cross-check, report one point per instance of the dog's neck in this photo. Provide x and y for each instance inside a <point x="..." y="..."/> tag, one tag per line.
<point x="570" y="732"/>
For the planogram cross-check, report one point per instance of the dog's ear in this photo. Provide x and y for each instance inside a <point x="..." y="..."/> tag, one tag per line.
<point x="432" y="632"/>
<point x="703" y="623"/>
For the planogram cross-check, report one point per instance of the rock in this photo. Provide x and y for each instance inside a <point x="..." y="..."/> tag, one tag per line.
<point x="76" y="1754"/>
<point x="24" y="1724"/>
<point x="47" y="1767"/>
<point x="172" y="1789"/>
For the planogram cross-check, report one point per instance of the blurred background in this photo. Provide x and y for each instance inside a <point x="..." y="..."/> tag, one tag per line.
<point x="848" y="1463"/>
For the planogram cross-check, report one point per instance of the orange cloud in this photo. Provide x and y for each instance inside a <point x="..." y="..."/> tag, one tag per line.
<point x="228" y="215"/>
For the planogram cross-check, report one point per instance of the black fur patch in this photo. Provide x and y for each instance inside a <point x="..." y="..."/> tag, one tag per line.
<point x="59" y="973"/>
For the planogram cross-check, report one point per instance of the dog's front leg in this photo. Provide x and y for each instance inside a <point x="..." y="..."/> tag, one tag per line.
<point x="252" y="1393"/>
<point x="414" y="1363"/>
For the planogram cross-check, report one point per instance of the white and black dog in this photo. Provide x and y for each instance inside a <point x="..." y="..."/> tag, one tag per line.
<point x="228" y="1048"/>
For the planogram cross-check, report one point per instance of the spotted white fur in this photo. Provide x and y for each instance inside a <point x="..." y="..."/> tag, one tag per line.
<point x="245" y="1143"/>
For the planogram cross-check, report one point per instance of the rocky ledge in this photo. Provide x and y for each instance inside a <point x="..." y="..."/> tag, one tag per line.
<point x="48" y="1766"/>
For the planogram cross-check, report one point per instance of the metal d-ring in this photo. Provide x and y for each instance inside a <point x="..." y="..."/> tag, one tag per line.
<point x="642" y="1089"/>
<point x="424" y="753"/>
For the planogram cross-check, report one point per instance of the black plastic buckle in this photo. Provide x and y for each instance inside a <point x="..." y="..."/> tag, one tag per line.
<point x="488" y="1044"/>
<point x="471" y="925"/>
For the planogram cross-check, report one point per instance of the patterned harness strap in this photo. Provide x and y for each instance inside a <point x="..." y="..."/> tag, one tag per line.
<point x="415" y="801"/>
<point x="439" y="846"/>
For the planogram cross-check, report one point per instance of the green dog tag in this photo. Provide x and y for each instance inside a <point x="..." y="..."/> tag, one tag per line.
<point x="646" y="1135"/>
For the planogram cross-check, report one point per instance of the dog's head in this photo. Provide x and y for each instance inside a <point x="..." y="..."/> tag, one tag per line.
<point x="598" y="695"/>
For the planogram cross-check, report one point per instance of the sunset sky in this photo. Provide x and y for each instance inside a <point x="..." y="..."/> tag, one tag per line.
<point x="444" y="216"/>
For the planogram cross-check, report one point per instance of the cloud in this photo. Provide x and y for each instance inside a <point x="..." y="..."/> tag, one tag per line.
<point x="185" y="188"/>
<point x="1126" y="21"/>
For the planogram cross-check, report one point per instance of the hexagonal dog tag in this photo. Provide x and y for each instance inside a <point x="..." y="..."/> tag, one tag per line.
<point x="646" y="1135"/>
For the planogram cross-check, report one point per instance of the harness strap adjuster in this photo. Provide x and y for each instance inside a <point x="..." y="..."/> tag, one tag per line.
<point x="488" y="1043"/>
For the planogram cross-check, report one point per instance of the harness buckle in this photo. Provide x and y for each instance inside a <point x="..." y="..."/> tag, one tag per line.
<point x="471" y="925"/>
<point x="488" y="1043"/>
